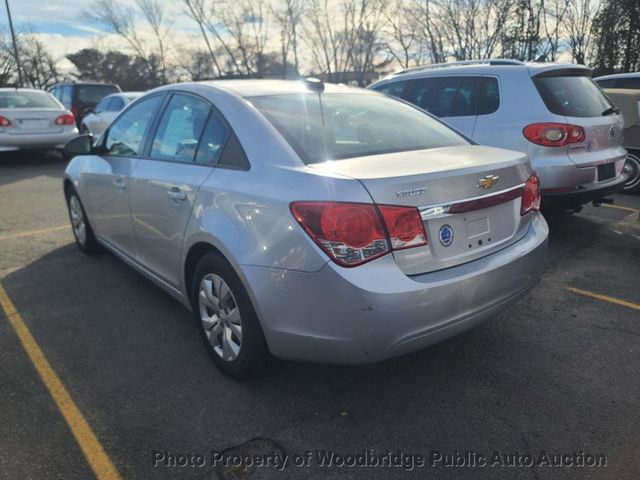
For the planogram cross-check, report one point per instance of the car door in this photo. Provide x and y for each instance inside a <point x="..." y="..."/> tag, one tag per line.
<point x="107" y="184"/>
<point x="451" y="99"/>
<point x="165" y="183"/>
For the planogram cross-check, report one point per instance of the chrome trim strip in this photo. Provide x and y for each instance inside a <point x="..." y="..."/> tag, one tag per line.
<point x="442" y="210"/>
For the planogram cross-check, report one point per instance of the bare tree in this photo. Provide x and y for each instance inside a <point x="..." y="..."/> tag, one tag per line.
<point x="401" y="32"/>
<point x="288" y="16"/>
<point x="578" y="23"/>
<point x="121" y="20"/>
<point x="39" y="67"/>
<point x="155" y="15"/>
<point x="429" y="29"/>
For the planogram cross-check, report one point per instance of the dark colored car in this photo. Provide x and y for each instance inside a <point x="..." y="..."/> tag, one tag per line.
<point x="81" y="98"/>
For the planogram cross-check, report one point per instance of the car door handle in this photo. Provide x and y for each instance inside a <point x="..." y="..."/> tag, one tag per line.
<point x="176" y="194"/>
<point x="119" y="184"/>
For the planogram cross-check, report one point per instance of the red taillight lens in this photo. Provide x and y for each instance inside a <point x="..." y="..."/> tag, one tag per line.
<point x="404" y="226"/>
<point x="554" y="134"/>
<point x="531" y="195"/>
<point x="353" y="233"/>
<point x="66" y="119"/>
<point x="4" y="121"/>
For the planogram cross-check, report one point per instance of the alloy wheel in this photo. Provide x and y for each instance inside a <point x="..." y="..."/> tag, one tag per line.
<point x="220" y="317"/>
<point x="77" y="220"/>
<point x="632" y="170"/>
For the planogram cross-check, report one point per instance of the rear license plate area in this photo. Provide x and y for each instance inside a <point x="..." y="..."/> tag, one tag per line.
<point x="606" y="172"/>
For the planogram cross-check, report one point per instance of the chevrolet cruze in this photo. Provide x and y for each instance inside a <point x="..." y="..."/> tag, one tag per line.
<point x="308" y="221"/>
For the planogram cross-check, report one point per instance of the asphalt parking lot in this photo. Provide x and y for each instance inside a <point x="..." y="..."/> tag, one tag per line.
<point x="555" y="374"/>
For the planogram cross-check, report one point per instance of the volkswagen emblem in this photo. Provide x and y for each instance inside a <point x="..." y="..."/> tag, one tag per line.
<point x="612" y="131"/>
<point x="445" y="235"/>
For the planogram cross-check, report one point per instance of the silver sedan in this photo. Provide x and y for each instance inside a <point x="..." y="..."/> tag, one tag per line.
<point x="33" y="120"/>
<point x="310" y="221"/>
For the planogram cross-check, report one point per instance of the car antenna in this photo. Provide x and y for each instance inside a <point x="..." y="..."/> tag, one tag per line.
<point x="315" y="84"/>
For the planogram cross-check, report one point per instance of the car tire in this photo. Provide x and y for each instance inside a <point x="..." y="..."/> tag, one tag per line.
<point x="227" y="320"/>
<point x="80" y="226"/>
<point x="632" y="166"/>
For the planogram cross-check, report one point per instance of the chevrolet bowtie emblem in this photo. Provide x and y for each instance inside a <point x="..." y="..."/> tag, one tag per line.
<point x="488" y="181"/>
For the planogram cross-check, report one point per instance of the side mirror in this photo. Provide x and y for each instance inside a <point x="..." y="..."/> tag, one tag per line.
<point x="82" y="145"/>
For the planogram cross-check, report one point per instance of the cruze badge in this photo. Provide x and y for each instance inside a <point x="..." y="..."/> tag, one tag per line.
<point x="411" y="192"/>
<point x="445" y="235"/>
<point x="488" y="181"/>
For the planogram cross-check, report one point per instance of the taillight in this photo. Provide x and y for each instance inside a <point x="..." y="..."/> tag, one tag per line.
<point x="404" y="226"/>
<point x="4" y="121"/>
<point x="355" y="233"/>
<point x="554" y="134"/>
<point x="531" y="195"/>
<point x="66" y="119"/>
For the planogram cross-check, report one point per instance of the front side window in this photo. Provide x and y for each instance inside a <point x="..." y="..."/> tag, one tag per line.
<point x="394" y="89"/>
<point x="633" y="83"/>
<point x="572" y="95"/>
<point x="335" y="126"/>
<point x="606" y="83"/>
<point x="116" y="104"/>
<point x="103" y="106"/>
<point x="125" y="137"/>
<point x="180" y="128"/>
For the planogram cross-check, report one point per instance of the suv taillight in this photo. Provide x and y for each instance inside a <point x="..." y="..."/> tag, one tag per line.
<point x="4" y="121"/>
<point x="531" y="195"/>
<point x="66" y="119"/>
<point x="355" y="233"/>
<point x="554" y="134"/>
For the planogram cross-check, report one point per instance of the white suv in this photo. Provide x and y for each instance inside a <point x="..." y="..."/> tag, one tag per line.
<point x="553" y="112"/>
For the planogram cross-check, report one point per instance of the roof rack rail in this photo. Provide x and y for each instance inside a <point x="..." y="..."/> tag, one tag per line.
<point x="489" y="61"/>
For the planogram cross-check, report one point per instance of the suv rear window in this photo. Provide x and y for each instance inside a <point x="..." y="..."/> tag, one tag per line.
<point x="352" y="125"/>
<point x="92" y="94"/>
<point x="572" y="95"/>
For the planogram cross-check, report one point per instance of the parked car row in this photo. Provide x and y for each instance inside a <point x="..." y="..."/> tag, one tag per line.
<point x="555" y="113"/>
<point x="32" y="119"/>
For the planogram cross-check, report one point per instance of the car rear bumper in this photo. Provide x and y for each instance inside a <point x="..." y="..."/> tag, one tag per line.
<point x="375" y="311"/>
<point x="9" y="143"/>
<point x="582" y="194"/>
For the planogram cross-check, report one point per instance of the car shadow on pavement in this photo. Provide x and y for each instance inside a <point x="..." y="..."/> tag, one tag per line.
<point x="17" y="166"/>
<point x="133" y="360"/>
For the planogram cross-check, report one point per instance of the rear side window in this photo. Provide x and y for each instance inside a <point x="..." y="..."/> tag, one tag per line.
<point x="454" y="96"/>
<point x="633" y="83"/>
<point x="27" y="100"/>
<point x="572" y="95"/>
<point x="488" y="95"/>
<point x="606" y="83"/>
<point x="180" y="128"/>
<point x="92" y="94"/>
<point x="213" y="139"/>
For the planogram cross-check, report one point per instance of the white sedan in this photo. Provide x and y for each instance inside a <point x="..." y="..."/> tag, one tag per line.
<point x="106" y="111"/>
<point x="33" y="120"/>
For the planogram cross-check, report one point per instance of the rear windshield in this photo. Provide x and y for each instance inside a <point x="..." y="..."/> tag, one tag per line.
<point x="92" y="94"/>
<point x="336" y="126"/>
<point x="27" y="100"/>
<point x="572" y="96"/>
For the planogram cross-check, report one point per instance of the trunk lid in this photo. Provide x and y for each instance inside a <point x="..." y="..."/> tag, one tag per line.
<point x="29" y="121"/>
<point x="435" y="179"/>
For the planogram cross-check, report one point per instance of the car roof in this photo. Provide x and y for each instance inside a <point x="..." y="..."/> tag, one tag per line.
<point x="485" y="66"/>
<point x="618" y="75"/>
<point x="255" y="88"/>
